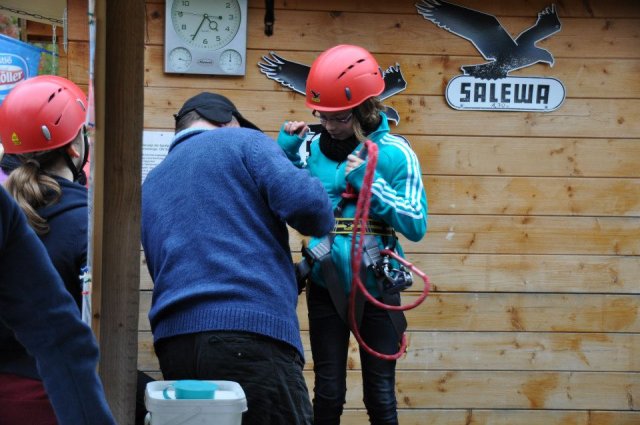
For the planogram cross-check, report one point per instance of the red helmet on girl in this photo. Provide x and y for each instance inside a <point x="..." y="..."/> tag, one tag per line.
<point x="343" y="77"/>
<point x="41" y="113"/>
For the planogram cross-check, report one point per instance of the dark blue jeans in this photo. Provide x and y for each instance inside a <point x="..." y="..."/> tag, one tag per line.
<point x="329" y="345"/>
<point x="269" y="372"/>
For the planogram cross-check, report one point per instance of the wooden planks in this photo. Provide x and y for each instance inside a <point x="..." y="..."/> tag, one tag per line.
<point x="427" y="115"/>
<point x="537" y="388"/>
<point x="425" y="74"/>
<point x="533" y="196"/>
<point x="487" y="351"/>
<point x="499" y="312"/>
<point x="535" y="235"/>
<point x="527" y="156"/>
<point x="532" y="246"/>
<point x="319" y="30"/>
<point x="500" y="417"/>
<point x="515" y="273"/>
<point x="623" y="8"/>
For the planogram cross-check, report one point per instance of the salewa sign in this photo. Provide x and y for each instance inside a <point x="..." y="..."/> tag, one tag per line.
<point x="505" y="94"/>
<point x="488" y="86"/>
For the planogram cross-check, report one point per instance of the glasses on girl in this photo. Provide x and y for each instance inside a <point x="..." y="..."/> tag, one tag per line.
<point x="324" y="120"/>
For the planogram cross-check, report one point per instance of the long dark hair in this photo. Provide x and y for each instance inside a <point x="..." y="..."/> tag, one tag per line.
<point x="367" y="117"/>
<point x="32" y="187"/>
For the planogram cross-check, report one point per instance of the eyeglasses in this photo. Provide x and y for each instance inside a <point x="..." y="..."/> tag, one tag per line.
<point x="324" y="120"/>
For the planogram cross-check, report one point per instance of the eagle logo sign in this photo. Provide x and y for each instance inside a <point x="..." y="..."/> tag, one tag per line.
<point x="294" y="76"/>
<point x="494" y="43"/>
<point x="488" y="86"/>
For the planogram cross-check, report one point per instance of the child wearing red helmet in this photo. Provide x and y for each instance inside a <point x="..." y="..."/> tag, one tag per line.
<point x="43" y="123"/>
<point x="341" y="90"/>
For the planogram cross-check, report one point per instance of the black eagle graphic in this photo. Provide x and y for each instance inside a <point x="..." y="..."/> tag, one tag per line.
<point x="491" y="39"/>
<point x="294" y="76"/>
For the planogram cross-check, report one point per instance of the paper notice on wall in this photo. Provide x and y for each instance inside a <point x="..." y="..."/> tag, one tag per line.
<point x="155" y="145"/>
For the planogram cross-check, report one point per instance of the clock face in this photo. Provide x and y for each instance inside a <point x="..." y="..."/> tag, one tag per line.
<point x="206" y="24"/>
<point x="180" y="59"/>
<point x="230" y="61"/>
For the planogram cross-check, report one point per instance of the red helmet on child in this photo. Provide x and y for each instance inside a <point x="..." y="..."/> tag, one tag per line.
<point x="343" y="77"/>
<point x="41" y="113"/>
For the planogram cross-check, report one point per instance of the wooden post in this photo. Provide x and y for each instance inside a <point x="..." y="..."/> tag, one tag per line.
<point x="119" y="121"/>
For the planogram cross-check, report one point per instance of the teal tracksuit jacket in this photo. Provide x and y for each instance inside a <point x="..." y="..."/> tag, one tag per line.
<point x="398" y="194"/>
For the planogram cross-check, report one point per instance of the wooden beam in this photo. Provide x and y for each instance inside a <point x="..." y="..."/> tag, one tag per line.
<point x="119" y="103"/>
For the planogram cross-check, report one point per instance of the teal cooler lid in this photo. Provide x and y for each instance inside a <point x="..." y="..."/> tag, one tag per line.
<point x="189" y="389"/>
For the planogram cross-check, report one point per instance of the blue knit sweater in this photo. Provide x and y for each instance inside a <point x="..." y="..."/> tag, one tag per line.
<point x="36" y="306"/>
<point x="214" y="216"/>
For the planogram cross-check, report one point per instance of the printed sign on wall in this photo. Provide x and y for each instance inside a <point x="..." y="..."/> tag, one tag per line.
<point x="488" y="86"/>
<point x="18" y="61"/>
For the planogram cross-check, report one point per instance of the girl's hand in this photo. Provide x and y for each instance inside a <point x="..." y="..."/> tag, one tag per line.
<point x="300" y="128"/>
<point x="353" y="161"/>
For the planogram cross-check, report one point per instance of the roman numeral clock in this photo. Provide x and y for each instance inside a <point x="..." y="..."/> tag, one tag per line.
<point x="205" y="37"/>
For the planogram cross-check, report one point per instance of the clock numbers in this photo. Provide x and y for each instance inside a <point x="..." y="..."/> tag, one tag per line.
<point x="206" y="24"/>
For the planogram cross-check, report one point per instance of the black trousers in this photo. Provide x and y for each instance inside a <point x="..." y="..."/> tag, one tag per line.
<point x="330" y="345"/>
<point x="269" y="372"/>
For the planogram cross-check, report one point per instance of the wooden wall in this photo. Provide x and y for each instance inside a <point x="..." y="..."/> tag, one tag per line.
<point x="534" y="230"/>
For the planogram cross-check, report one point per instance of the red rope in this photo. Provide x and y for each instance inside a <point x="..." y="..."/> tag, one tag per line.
<point x="360" y="220"/>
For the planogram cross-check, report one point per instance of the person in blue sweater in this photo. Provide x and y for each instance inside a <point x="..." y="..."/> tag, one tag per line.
<point x="37" y="308"/>
<point x="214" y="231"/>
<point x="341" y="90"/>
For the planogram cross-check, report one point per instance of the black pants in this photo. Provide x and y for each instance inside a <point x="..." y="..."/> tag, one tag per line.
<point x="269" y="372"/>
<point x="141" y="409"/>
<point x="330" y="344"/>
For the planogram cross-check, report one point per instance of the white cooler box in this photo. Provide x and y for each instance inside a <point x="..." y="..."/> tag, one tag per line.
<point x="224" y="409"/>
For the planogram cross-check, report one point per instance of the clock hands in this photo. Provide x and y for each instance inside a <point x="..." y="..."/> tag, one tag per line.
<point x="205" y="17"/>
<point x="213" y="25"/>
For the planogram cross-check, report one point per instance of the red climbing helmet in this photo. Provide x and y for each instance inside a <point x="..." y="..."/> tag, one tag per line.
<point x="41" y="113"/>
<point x="343" y="77"/>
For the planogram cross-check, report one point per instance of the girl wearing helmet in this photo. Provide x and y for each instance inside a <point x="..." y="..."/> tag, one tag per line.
<point x="341" y="91"/>
<point x="42" y="128"/>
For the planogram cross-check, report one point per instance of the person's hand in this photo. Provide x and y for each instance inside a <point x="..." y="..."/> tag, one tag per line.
<point x="296" y="127"/>
<point x="353" y="161"/>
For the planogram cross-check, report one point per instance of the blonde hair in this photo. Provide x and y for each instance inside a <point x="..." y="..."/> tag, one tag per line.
<point x="367" y="117"/>
<point x="32" y="188"/>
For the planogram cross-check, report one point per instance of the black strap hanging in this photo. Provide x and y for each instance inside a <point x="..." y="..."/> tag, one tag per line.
<point x="269" y="18"/>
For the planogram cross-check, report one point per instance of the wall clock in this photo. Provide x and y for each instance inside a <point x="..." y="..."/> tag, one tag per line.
<point x="205" y="37"/>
